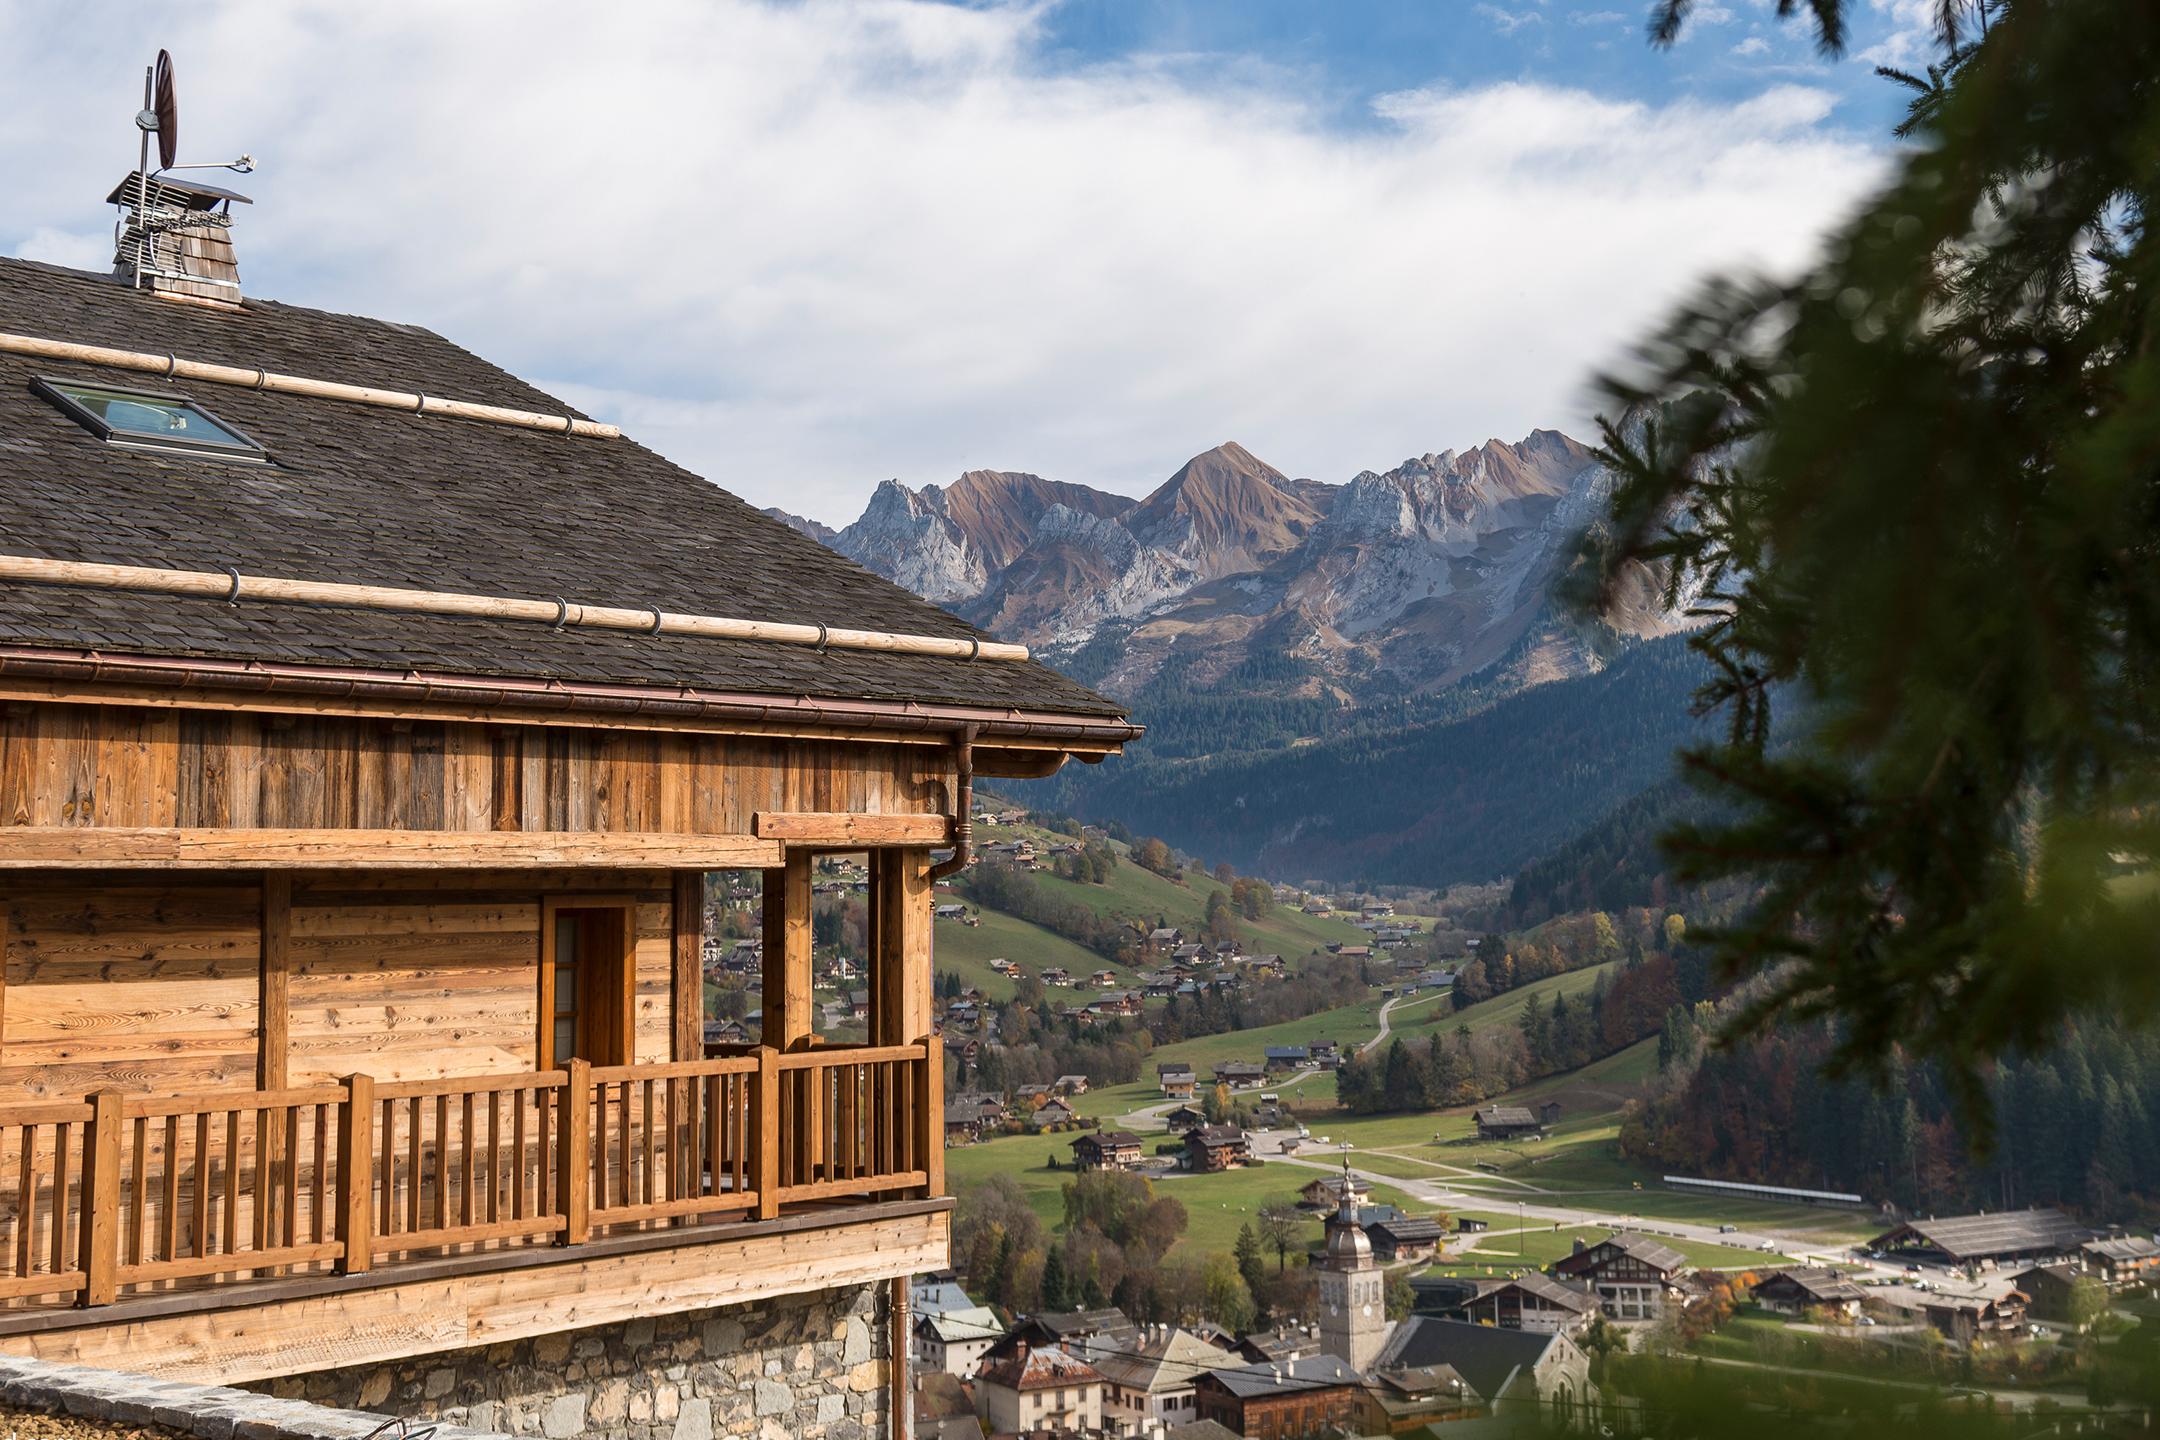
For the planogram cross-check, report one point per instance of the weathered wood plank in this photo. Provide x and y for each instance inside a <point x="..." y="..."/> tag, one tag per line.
<point x="842" y="828"/>
<point x="69" y="847"/>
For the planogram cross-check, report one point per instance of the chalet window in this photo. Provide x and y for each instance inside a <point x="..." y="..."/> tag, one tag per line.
<point x="587" y="970"/>
<point x="149" y="420"/>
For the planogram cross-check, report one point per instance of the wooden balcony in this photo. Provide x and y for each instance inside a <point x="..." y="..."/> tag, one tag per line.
<point x="121" y="1214"/>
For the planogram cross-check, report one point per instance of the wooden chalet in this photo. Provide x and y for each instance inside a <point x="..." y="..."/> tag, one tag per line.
<point x="1106" y="1150"/>
<point x="1216" y="1147"/>
<point x="1632" y="1275"/>
<point x="369" y="722"/>
<point x="1808" y="1290"/>
<point x="1528" y="1302"/>
<point x="1509" y="1122"/>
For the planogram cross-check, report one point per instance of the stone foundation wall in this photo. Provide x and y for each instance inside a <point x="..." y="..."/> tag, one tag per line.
<point x="803" y="1367"/>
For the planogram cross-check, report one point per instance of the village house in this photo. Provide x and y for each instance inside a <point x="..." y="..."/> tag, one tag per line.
<point x="1278" y="1058"/>
<point x="1324" y="1194"/>
<point x="953" y="1342"/>
<point x="1106" y="1150"/>
<point x="1527" y="1302"/>
<point x="1020" y="1387"/>
<point x="2053" y="1293"/>
<point x="1510" y="1122"/>
<point x="1434" y="1370"/>
<point x="1165" y="937"/>
<point x="1104" y="979"/>
<point x="1240" y="1074"/>
<point x="1404" y="1237"/>
<point x="2120" y="1260"/>
<point x="1216" y="1147"/>
<point x="372" y="722"/>
<point x="1176" y="1079"/>
<point x="1963" y="1313"/>
<point x="1808" y="1290"/>
<point x="1184" y="1118"/>
<point x="1070" y="1085"/>
<point x="1152" y="1385"/>
<point x="1633" y="1275"/>
<point x="1052" y="1114"/>
<point x="1985" y="1242"/>
<point x="1282" y="1401"/>
<point x="1056" y="975"/>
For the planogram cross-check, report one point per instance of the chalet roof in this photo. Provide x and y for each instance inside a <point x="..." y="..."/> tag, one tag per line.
<point x="1169" y="1361"/>
<point x="1240" y="1067"/>
<point x="1313" y="1372"/>
<point x="1408" y="1229"/>
<point x="2122" y="1247"/>
<point x="1654" y="1253"/>
<point x="958" y="1327"/>
<point x="1977" y="1237"/>
<point x="1487" y="1357"/>
<point x="375" y="496"/>
<point x="1504" y="1115"/>
<point x="1819" y="1283"/>
<point x="1109" y="1139"/>
<point x="1174" y="1067"/>
<point x="1287" y="1052"/>
<point x="1216" y="1136"/>
<point x="1081" y="1324"/>
<point x="1038" y="1367"/>
<point x="1549" y="1288"/>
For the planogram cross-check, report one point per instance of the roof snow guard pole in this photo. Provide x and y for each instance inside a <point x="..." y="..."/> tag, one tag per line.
<point x="172" y="367"/>
<point x="230" y="586"/>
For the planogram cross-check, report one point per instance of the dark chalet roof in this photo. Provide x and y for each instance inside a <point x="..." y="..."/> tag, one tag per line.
<point x="1978" y="1237"/>
<point x="373" y="496"/>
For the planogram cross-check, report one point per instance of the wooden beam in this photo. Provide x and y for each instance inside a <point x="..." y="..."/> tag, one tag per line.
<point x="273" y="1044"/>
<point x="903" y="933"/>
<point x="356" y="1175"/>
<point x="371" y="1320"/>
<point x="687" y="988"/>
<point x="838" y="828"/>
<point x="788" y="1018"/>
<point x="27" y="847"/>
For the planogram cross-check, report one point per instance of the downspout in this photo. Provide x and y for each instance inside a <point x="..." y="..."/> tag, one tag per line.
<point x="964" y="819"/>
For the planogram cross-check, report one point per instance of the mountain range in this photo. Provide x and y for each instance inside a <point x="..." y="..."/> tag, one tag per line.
<point x="1399" y="582"/>
<point x="1259" y="624"/>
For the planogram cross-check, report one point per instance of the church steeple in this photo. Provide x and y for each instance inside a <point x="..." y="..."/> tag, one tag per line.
<point x="1353" y="1292"/>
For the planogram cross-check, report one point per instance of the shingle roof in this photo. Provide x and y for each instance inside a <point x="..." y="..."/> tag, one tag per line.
<point x="1040" y="1367"/>
<point x="376" y="496"/>
<point x="2009" y="1233"/>
<point x="1504" y="1115"/>
<point x="1487" y="1357"/>
<point x="1650" y="1252"/>
<point x="1819" y="1283"/>
<point x="1314" y="1372"/>
<point x="1169" y="1362"/>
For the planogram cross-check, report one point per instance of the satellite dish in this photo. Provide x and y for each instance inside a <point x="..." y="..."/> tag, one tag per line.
<point x="166" y="106"/>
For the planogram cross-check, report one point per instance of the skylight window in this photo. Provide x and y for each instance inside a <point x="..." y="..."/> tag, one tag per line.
<point x="142" y="420"/>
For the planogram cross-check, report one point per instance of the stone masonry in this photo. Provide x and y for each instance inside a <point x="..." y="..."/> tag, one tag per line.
<point x="801" y="1367"/>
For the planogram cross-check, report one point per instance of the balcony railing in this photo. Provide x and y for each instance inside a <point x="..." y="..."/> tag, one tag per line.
<point x="116" y="1195"/>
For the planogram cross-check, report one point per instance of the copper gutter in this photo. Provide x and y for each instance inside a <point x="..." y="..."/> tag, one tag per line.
<point x="598" y="700"/>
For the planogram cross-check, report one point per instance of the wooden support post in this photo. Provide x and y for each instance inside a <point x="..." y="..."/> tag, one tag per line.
<point x="356" y="1175"/>
<point x="903" y="929"/>
<point x="687" y="1006"/>
<point x="930" y="1117"/>
<point x="900" y="1418"/>
<point x="100" y="1247"/>
<point x="788" y="1020"/>
<point x="765" y="1132"/>
<point x="574" y="1166"/>
<point x="274" y="983"/>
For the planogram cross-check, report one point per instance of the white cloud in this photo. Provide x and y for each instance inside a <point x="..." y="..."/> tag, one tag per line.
<point x="1753" y="45"/>
<point x="1507" y="22"/>
<point x="804" y="248"/>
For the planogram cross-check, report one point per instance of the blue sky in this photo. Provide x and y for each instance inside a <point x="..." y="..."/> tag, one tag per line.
<point x="802" y="247"/>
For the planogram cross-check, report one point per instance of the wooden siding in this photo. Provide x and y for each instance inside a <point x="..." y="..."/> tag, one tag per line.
<point x="141" y="767"/>
<point x="153" y="987"/>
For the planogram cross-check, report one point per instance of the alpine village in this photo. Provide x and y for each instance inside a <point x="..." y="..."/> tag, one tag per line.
<point x="503" y="937"/>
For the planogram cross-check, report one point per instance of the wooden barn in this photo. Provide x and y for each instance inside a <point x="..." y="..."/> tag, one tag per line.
<point x="369" y="723"/>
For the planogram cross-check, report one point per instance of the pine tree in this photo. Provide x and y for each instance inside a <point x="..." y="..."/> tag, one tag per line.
<point x="1249" y="1261"/>
<point x="1056" y="1295"/>
<point x="1920" y="476"/>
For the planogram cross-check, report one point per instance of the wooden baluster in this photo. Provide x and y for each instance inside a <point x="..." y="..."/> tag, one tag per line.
<point x="670" y="1145"/>
<point x="289" y="1182"/>
<point x="466" y="1212"/>
<point x="26" y="1201"/>
<point x="138" y="1175"/>
<point x="200" y="1239"/>
<point x="765" y="1132"/>
<point x="99" y="1249"/>
<point x="494" y="1154"/>
<point x="60" y="1197"/>
<point x="233" y="1152"/>
<point x="598" y="1142"/>
<point x="389" y="1168"/>
<point x="623" y="1139"/>
<point x="260" y="1230"/>
<point x="413" y="1170"/>
<point x="573" y="1167"/>
<point x="715" y="1089"/>
<point x="320" y="1230"/>
<point x="171" y="1249"/>
<point x="442" y="1160"/>
<point x="517" y="1141"/>
<point x="356" y="1174"/>
<point x="646" y="1087"/>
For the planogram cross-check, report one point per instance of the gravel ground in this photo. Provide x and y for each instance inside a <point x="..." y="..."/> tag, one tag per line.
<point x="25" y="1425"/>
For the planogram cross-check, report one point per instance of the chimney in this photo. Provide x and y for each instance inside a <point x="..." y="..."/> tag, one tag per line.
<point x="175" y="239"/>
